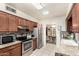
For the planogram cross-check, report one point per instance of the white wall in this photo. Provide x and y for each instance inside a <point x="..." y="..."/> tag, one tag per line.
<point x="19" y="13"/>
<point x="58" y="21"/>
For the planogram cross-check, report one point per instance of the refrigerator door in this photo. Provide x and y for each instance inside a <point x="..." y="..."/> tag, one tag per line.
<point x="37" y="32"/>
<point x="40" y="44"/>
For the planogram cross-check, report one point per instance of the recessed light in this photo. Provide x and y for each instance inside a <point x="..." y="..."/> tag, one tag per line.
<point x="45" y="12"/>
<point x="37" y="5"/>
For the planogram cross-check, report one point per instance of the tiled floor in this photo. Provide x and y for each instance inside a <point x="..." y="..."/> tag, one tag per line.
<point x="50" y="49"/>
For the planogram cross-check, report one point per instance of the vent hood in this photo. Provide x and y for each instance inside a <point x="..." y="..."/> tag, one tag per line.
<point x="22" y="27"/>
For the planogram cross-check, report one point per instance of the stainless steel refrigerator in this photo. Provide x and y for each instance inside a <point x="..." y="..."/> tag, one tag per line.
<point x="37" y="32"/>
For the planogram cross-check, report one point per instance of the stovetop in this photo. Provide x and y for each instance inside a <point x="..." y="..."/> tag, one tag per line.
<point x="23" y="39"/>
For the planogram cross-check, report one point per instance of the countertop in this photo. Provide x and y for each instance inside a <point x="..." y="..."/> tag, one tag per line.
<point x="9" y="44"/>
<point x="68" y="50"/>
<point x="33" y="37"/>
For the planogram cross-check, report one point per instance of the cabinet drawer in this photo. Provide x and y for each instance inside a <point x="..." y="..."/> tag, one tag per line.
<point x="14" y="46"/>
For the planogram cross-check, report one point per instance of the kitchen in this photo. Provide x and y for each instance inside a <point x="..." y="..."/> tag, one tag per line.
<point x="18" y="35"/>
<point x="21" y="34"/>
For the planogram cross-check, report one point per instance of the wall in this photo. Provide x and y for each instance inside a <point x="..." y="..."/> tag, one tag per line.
<point x="19" y="13"/>
<point x="68" y="42"/>
<point x="58" y="21"/>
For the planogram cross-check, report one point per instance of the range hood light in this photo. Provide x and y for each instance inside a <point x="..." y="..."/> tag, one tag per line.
<point x="19" y="26"/>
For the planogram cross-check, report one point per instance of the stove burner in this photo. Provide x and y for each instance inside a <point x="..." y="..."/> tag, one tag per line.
<point x="23" y="39"/>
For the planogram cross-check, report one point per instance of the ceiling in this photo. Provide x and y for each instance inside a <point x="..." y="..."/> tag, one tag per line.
<point x="55" y="9"/>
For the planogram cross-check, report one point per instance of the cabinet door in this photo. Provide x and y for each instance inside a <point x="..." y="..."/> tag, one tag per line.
<point x="5" y="53"/>
<point x="16" y="51"/>
<point x="12" y="23"/>
<point x="69" y="24"/>
<point x="3" y="22"/>
<point x="30" y="25"/>
<point x="18" y="21"/>
<point x="34" y="43"/>
<point x="22" y="22"/>
<point x="34" y="24"/>
<point x="74" y="19"/>
<point x="77" y="16"/>
<point x="27" y="23"/>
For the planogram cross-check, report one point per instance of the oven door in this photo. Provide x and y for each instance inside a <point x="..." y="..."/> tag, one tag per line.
<point x="26" y="46"/>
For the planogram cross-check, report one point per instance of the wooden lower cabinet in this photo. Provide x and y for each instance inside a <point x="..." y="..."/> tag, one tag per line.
<point x="34" y="43"/>
<point x="14" y="50"/>
<point x="5" y="54"/>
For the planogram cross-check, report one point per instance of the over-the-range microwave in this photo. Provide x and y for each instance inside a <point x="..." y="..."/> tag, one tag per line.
<point x="7" y="39"/>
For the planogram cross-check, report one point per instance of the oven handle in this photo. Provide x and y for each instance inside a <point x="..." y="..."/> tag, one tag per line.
<point x="28" y="41"/>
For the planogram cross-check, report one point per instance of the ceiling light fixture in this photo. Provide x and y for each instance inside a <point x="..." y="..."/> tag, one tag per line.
<point x="37" y="5"/>
<point x="45" y="12"/>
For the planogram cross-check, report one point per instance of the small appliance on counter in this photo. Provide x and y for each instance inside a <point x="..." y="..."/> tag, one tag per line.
<point x="4" y="39"/>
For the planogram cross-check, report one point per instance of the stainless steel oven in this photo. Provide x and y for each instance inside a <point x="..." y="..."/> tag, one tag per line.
<point x="26" y="46"/>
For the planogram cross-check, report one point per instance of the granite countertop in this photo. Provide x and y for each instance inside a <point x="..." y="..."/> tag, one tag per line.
<point x="68" y="50"/>
<point x="9" y="44"/>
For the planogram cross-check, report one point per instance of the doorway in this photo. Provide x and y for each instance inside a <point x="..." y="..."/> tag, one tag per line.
<point x="51" y="34"/>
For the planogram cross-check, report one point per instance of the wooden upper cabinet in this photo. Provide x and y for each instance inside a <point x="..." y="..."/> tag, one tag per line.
<point x="3" y="22"/>
<point x="20" y="21"/>
<point x="35" y="24"/>
<point x="24" y="22"/>
<point x="27" y="22"/>
<point x="12" y="23"/>
<point x="9" y="23"/>
<point x="17" y="21"/>
<point x="69" y="24"/>
<point x="30" y="25"/>
<point x="75" y="18"/>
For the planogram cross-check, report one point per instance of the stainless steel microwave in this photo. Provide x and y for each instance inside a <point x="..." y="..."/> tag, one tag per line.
<point x="7" y="39"/>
